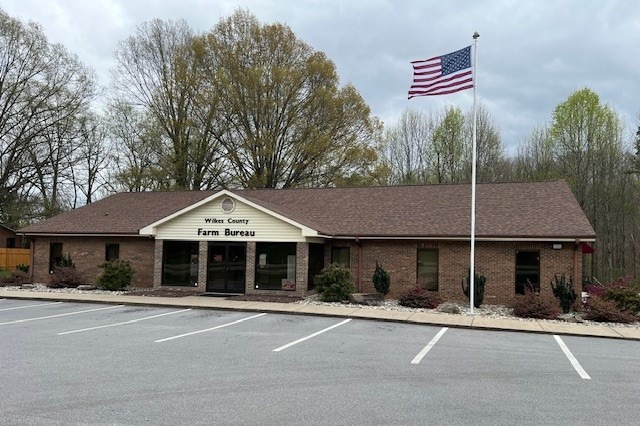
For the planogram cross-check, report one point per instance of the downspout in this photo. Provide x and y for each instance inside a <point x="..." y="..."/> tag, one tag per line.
<point x="576" y="253"/>
<point x="359" y="272"/>
<point x="32" y="257"/>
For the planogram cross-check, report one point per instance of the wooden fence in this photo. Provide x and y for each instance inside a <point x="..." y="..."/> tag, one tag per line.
<point x="10" y="258"/>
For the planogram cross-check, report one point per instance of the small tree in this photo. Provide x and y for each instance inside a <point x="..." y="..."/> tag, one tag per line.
<point x="381" y="279"/>
<point x="334" y="283"/>
<point x="564" y="292"/>
<point x="478" y="293"/>
<point x="116" y="275"/>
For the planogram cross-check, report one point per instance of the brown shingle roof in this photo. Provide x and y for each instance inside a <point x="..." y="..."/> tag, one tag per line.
<point x="507" y="210"/>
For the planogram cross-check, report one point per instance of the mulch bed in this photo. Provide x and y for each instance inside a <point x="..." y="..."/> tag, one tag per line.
<point x="163" y="292"/>
<point x="265" y="298"/>
<point x="173" y="292"/>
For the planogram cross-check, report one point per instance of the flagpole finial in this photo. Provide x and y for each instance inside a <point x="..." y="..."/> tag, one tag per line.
<point x="476" y="35"/>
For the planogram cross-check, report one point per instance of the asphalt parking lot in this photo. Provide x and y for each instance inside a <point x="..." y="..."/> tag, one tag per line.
<point x="85" y="364"/>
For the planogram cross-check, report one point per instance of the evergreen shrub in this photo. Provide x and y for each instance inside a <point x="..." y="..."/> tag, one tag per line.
<point x="116" y="275"/>
<point x="334" y="283"/>
<point x="381" y="279"/>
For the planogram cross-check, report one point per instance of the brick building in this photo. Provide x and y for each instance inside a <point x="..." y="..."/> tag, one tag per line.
<point x="275" y="241"/>
<point x="8" y="238"/>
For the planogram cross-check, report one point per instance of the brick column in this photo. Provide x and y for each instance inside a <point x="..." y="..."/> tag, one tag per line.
<point x="157" y="263"/>
<point x="250" y="270"/>
<point x="203" y="251"/>
<point x="302" y="268"/>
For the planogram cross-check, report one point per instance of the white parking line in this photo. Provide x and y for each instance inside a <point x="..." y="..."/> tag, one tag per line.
<point x="30" y="306"/>
<point x="427" y="348"/>
<point x="572" y="359"/>
<point x="209" y="329"/>
<point x="60" y="315"/>
<point x="123" y="323"/>
<point x="288" y="345"/>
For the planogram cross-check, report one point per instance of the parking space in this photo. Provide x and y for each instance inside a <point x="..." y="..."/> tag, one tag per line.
<point x="121" y="361"/>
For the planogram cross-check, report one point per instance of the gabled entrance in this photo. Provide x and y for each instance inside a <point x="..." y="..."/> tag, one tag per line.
<point x="226" y="267"/>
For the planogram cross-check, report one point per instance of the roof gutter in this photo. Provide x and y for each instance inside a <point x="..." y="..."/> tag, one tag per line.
<point x="443" y="238"/>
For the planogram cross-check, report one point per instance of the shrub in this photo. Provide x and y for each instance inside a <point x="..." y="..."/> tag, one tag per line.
<point x="594" y="290"/>
<point x="23" y="268"/>
<point x="381" y="279"/>
<point x="334" y="283"/>
<point x="66" y="262"/>
<point x="564" y="292"/>
<point x="19" y="277"/>
<point x="534" y="305"/>
<point x="116" y="275"/>
<point x="600" y="310"/>
<point x="478" y="288"/>
<point x="5" y="276"/>
<point x="65" y="276"/>
<point x="419" y="297"/>
<point x="626" y="298"/>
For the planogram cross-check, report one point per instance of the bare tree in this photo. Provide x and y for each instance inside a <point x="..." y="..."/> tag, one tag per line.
<point x="157" y="75"/>
<point x="42" y="87"/>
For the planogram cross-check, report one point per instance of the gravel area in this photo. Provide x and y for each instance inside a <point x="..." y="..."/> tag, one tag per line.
<point x="488" y="311"/>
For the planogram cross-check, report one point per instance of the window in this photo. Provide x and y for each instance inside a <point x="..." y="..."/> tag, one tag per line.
<point x="527" y="271"/>
<point x="112" y="252"/>
<point x="341" y="256"/>
<point x="316" y="263"/>
<point x="275" y="266"/>
<point x="55" y="255"/>
<point x="428" y="268"/>
<point x="180" y="263"/>
<point x="11" y="243"/>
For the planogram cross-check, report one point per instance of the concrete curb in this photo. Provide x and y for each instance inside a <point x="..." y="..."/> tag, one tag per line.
<point x="423" y="318"/>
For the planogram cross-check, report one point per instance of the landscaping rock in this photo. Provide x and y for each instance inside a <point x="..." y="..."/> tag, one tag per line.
<point x="27" y="286"/>
<point x="449" y="308"/>
<point x="87" y="287"/>
<point x="371" y="299"/>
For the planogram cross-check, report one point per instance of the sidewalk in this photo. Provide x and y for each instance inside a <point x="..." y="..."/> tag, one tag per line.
<point x="461" y="321"/>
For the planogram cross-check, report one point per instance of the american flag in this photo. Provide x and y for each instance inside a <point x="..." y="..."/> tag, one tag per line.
<point x="441" y="75"/>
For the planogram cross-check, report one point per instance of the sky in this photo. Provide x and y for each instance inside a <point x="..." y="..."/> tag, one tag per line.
<point x="532" y="55"/>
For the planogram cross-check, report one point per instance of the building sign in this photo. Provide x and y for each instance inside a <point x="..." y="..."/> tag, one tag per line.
<point x="229" y="227"/>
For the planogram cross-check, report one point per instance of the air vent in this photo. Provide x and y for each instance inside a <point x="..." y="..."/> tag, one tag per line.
<point x="228" y="205"/>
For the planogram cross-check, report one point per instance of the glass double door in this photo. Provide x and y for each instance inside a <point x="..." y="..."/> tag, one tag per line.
<point x="226" y="267"/>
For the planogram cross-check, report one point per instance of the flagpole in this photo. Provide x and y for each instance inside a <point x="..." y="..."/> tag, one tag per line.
<point x="472" y="270"/>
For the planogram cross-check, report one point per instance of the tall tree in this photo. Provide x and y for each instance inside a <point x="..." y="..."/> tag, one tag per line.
<point x="449" y="151"/>
<point x="490" y="153"/>
<point x="42" y="89"/>
<point x="283" y="119"/>
<point x="157" y="73"/>
<point x="409" y="148"/>
<point x="587" y="138"/>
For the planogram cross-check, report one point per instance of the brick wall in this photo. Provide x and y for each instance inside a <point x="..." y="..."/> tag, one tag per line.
<point x="495" y="260"/>
<point x="88" y="253"/>
<point x="6" y="234"/>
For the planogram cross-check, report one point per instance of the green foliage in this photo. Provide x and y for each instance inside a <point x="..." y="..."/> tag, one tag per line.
<point x="66" y="262"/>
<point x="535" y="305"/>
<point x="23" y="268"/>
<point x="626" y="299"/>
<point x="334" y="283"/>
<point x="4" y="273"/>
<point x="564" y="292"/>
<point x="479" y="283"/>
<point x="381" y="279"/>
<point x="116" y="275"/>
<point x="600" y="310"/>
<point x="418" y="297"/>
